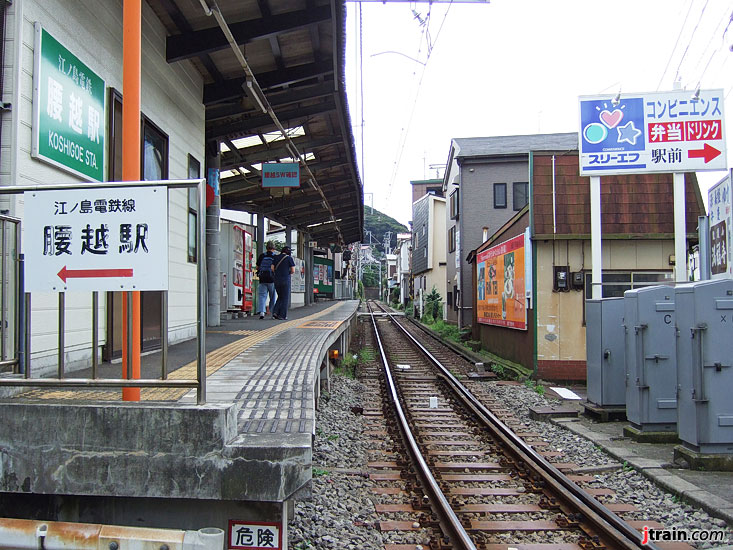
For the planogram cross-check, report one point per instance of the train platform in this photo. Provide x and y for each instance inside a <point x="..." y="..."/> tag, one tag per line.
<point x="710" y="490"/>
<point x="250" y="442"/>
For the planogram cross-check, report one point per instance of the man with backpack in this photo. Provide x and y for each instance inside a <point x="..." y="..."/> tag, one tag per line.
<point x="284" y="267"/>
<point x="265" y="273"/>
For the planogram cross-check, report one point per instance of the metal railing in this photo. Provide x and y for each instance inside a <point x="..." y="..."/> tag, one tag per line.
<point x="24" y="308"/>
<point x="10" y="268"/>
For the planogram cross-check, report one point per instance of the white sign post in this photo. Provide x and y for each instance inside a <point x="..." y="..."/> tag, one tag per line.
<point x="96" y="239"/>
<point x="665" y="132"/>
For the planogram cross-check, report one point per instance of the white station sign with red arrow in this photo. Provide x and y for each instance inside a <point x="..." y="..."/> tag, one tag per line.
<point x="678" y="131"/>
<point x="96" y="239"/>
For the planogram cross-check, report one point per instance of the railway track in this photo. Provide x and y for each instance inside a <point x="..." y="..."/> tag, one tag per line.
<point x="451" y="473"/>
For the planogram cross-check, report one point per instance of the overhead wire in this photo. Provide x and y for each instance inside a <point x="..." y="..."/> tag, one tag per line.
<point x="405" y="131"/>
<point x="677" y="42"/>
<point x="692" y="37"/>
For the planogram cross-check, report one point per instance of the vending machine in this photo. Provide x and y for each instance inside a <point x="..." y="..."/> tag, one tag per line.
<point x="247" y="299"/>
<point x="236" y="249"/>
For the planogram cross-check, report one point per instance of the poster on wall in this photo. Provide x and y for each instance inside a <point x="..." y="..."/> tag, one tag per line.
<point x="323" y="275"/>
<point x="500" y="292"/>
<point x="721" y="219"/>
<point x="297" y="279"/>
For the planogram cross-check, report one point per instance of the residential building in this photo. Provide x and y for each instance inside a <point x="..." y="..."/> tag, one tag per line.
<point x="538" y="318"/>
<point x="485" y="184"/>
<point x="403" y="251"/>
<point x="428" y="246"/>
<point x="425" y="187"/>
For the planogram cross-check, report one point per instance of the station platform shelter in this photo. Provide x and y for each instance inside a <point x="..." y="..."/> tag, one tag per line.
<point x="84" y="455"/>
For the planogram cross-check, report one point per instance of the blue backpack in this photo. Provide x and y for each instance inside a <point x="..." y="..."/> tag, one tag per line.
<point x="265" y="272"/>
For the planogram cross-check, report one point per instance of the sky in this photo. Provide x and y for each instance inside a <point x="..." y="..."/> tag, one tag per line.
<point x="419" y="75"/>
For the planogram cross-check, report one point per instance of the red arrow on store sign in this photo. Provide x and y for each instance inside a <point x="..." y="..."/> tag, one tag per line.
<point x="92" y="273"/>
<point x="708" y="152"/>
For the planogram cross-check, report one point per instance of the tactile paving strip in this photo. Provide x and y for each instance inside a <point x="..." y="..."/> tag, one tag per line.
<point x="215" y="360"/>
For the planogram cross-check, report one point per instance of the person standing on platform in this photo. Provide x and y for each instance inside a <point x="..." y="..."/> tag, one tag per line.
<point x="264" y="270"/>
<point x="284" y="267"/>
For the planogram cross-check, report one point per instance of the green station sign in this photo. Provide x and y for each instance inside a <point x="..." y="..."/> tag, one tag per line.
<point x="69" y="110"/>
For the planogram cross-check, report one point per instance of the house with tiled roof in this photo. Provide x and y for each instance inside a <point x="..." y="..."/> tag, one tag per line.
<point x="538" y="319"/>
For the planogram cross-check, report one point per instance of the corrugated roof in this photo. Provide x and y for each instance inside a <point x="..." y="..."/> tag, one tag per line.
<point x="514" y="145"/>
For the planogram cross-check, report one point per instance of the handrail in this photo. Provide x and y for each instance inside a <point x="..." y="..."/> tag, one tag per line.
<point x="201" y="307"/>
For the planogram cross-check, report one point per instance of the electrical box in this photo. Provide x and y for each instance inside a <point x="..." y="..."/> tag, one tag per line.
<point x="576" y="279"/>
<point x="562" y="282"/>
<point x="704" y="317"/>
<point x="651" y="362"/>
<point x="604" y="348"/>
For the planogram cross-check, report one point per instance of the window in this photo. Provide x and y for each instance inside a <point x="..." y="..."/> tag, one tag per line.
<point x="194" y="172"/>
<point x="615" y="283"/>
<point x="452" y="239"/>
<point x="485" y="234"/>
<point x="519" y="194"/>
<point x="155" y="152"/>
<point x="454" y="205"/>
<point x="500" y="195"/>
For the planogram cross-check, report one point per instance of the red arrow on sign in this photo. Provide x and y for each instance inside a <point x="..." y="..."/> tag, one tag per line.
<point x="92" y="273"/>
<point x="708" y="152"/>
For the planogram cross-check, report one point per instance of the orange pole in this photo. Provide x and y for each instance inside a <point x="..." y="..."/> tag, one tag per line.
<point x="131" y="69"/>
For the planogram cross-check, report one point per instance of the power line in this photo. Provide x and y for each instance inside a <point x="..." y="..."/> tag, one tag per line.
<point x="406" y="130"/>
<point x="679" y="36"/>
<point x="692" y="37"/>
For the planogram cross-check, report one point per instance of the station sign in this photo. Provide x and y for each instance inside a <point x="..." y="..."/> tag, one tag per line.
<point x="96" y="239"/>
<point x="668" y="132"/>
<point x="254" y="535"/>
<point x="69" y="106"/>
<point x="281" y="174"/>
<point x="721" y="229"/>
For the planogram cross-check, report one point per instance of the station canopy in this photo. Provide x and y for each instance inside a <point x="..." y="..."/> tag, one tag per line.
<point x="284" y="100"/>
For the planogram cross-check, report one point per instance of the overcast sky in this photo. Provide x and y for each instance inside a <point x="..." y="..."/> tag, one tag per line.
<point x="422" y="75"/>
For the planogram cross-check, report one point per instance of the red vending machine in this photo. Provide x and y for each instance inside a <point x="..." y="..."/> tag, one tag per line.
<point x="247" y="300"/>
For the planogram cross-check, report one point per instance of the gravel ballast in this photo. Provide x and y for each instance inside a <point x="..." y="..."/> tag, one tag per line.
<point x="341" y="513"/>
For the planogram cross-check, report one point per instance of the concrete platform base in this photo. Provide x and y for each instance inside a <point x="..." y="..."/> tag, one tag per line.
<point x="648" y="436"/>
<point x="604" y="414"/>
<point x="717" y="462"/>
<point x="545" y="413"/>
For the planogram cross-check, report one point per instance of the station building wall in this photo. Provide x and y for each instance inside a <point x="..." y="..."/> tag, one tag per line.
<point x="170" y="99"/>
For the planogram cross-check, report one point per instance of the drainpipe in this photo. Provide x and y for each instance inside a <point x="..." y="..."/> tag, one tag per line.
<point x="3" y="106"/>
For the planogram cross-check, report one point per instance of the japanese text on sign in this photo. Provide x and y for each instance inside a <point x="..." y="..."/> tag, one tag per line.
<point x="281" y="174"/>
<point x="657" y="132"/>
<point x="97" y="239"/>
<point x="500" y="292"/>
<point x="253" y="535"/>
<point x="721" y="220"/>
<point x="69" y="110"/>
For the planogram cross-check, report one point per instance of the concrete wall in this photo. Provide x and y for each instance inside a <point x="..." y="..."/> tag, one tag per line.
<point x="560" y="321"/>
<point x="171" y="99"/>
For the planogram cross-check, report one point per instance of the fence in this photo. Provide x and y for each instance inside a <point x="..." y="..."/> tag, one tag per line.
<point x="20" y="333"/>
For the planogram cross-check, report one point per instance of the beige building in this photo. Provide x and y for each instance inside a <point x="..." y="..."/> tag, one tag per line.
<point x="428" y="246"/>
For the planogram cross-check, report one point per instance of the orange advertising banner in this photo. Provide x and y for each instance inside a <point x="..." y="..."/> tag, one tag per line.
<point x="500" y="293"/>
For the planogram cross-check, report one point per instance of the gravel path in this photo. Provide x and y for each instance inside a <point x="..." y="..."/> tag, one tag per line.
<point x="341" y="513"/>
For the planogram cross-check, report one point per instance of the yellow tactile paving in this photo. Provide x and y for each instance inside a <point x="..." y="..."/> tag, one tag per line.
<point x="214" y="361"/>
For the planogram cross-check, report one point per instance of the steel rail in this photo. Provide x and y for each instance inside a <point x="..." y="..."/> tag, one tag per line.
<point x="600" y="517"/>
<point x="450" y="523"/>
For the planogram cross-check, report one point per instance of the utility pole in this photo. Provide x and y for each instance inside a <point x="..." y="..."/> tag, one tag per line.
<point x="388" y="242"/>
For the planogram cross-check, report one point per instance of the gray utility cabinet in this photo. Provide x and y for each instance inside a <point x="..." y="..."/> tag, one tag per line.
<point x="604" y="348"/>
<point x="651" y="366"/>
<point x="704" y="312"/>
